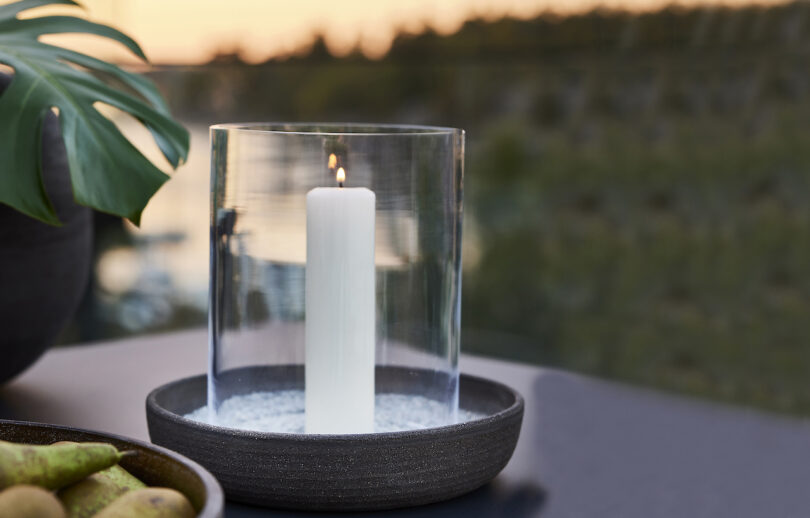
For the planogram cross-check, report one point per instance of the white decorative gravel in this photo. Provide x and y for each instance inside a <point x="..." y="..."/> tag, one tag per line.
<point x="283" y="412"/>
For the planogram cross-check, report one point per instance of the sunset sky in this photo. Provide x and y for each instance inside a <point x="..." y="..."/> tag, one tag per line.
<point x="192" y="31"/>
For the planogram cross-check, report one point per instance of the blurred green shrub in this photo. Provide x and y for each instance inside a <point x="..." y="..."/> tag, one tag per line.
<point x="682" y="265"/>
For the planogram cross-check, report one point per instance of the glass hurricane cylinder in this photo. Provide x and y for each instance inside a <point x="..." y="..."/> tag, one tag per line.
<point x="335" y="270"/>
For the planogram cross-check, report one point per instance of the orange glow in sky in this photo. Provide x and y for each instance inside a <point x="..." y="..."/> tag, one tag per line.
<point x="193" y="31"/>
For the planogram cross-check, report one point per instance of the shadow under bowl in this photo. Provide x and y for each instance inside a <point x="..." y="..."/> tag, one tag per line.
<point x="343" y="472"/>
<point x="153" y="465"/>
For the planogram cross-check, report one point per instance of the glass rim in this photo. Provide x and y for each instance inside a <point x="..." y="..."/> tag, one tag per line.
<point x="335" y="129"/>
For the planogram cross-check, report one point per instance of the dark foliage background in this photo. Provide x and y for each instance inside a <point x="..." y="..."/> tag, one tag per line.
<point x="636" y="184"/>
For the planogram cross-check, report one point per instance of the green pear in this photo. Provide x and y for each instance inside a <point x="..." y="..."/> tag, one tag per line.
<point x="24" y="501"/>
<point x="54" y="466"/>
<point x="152" y="502"/>
<point x="89" y="496"/>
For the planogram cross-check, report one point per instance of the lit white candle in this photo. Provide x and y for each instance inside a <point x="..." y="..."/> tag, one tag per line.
<point x="340" y="310"/>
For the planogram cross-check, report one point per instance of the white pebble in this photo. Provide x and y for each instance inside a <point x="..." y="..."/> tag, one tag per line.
<point x="283" y="412"/>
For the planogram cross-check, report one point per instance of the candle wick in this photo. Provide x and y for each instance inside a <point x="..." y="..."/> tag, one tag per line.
<point x="340" y="184"/>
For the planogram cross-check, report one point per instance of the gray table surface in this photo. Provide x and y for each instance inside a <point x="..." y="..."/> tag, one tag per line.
<point x="587" y="447"/>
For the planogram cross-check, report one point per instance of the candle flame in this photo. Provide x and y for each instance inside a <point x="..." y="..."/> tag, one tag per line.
<point x="341" y="176"/>
<point x="332" y="161"/>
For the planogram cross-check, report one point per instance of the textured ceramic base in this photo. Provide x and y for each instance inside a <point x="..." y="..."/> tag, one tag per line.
<point x="153" y="465"/>
<point x="343" y="472"/>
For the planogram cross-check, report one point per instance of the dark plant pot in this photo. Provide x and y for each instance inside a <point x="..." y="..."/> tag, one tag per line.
<point x="43" y="269"/>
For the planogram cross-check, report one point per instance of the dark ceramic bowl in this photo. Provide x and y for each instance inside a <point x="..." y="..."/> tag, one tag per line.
<point x="154" y="465"/>
<point x="343" y="472"/>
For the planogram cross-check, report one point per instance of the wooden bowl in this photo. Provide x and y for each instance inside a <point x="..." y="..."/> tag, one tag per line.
<point x="154" y="465"/>
<point x="343" y="472"/>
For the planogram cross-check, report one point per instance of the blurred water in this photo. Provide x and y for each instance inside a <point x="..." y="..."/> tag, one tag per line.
<point x="154" y="277"/>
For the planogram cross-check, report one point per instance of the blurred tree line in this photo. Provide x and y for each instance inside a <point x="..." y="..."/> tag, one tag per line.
<point x="636" y="184"/>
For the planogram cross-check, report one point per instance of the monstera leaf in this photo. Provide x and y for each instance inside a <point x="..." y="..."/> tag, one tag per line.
<point x="107" y="172"/>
